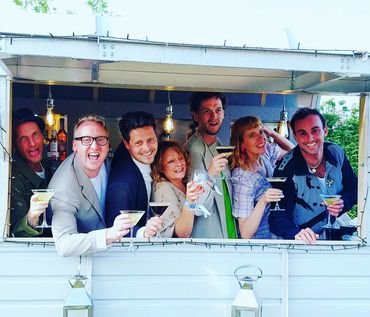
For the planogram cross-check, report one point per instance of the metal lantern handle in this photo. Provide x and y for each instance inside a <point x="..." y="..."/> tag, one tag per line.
<point x="256" y="274"/>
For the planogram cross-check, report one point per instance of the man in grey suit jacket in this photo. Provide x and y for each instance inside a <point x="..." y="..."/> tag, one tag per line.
<point x="80" y="182"/>
<point x="207" y="109"/>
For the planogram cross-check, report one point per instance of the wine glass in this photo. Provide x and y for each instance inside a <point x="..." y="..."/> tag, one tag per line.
<point x="134" y="216"/>
<point x="44" y="194"/>
<point x="328" y="199"/>
<point x="158" y="208"/>
<point x="275" y="182"/>
<point x="200" y="177"/>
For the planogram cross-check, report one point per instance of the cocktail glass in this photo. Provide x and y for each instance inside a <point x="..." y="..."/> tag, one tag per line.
<point x="225" y="149"/>
<point x="43" y="195"/>
<point x="276" y="183"/>
<point x="158" y="208"/>
<point x="328" y="199"/>
<point x="134" y="216"/>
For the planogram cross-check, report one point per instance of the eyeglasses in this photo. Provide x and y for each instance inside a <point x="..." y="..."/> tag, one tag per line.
<point x="88" y="140"/>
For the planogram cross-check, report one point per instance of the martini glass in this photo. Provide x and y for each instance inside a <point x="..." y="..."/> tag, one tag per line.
<point x="158" y="208"/>
<point x="134" y="216"/>
<point x="276" y="182"/>
<point x="328" y="199"/>
<point x="225" y="149"/>
<point x="43" y="195"/>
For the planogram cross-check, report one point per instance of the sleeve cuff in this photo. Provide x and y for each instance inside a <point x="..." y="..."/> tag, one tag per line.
<point x="101" y="241"/>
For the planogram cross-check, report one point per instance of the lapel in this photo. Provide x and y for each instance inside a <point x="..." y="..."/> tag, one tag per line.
<point x="87" y="189"/>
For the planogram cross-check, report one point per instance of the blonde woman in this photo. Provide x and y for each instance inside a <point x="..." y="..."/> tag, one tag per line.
<point x="170" y="174"/>
<point x="253" y="161"/>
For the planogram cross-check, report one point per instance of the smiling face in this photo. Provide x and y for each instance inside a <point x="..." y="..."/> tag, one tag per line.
<point x="209" y="117"/>
<point x="143" y="144"/>
<point x="254" y="141"/>
<point x="91" y="156"/>
<point x="310" y="135"/>
<point x="173" y="165"/>
<point x="29" y="143"/>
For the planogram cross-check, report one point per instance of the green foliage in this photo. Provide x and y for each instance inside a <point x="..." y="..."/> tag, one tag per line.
<point x="39" y="6"/>
<point x="343" y="129"/>
<point x="98" y="6"/>
<point x="44" y="6"/>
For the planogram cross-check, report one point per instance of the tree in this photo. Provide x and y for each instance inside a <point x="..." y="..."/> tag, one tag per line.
<point x="39" y="6"/>
<point x="343" y="129"/>
<point x="45" y="6"/>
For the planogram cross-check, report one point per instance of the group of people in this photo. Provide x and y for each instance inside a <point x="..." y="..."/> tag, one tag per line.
<point x="91" y="191"/>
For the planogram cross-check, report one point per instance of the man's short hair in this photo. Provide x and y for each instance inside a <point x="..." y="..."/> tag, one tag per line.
<point x="303" y="113"/>
<point x="134" y="120"/>
<point x="89" y="118"/>
<point x="197" y="97"/>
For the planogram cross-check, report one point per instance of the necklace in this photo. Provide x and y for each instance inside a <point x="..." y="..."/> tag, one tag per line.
<point x="313" y="168"/>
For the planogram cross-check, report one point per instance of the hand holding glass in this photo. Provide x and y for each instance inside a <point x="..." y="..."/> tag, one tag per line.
<point x="134" y="216"/>
<point x="328" y="200"/>
<point x="275" y="181"/>
<point x="43" y="195"/>
<point x="158" y="208"/>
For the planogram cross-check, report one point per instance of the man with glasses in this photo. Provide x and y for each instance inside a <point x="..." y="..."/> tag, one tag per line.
<point x="80" y="184"/>
<point x="130" y="182"/>
<point x="29" y="171"/>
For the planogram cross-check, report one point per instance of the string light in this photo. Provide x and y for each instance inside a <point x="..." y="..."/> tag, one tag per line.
<point x="50" y="117"/>
<point x="168" y="125"/>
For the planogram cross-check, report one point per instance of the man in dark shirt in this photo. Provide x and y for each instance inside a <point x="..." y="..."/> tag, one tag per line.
<point x="28" y="172"/>
<point x="312" y="168"/>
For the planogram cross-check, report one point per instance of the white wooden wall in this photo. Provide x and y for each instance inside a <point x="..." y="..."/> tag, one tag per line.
<point x="188" y="280"/>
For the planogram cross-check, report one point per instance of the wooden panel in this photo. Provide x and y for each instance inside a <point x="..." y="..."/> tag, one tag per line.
<point x="178" y="287"/>
<point x="324" y="308"/>
<point x="178" y="308"/>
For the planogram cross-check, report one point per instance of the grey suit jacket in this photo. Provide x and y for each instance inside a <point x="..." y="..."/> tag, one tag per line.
<point x="78" y="223"/>
<point x="215" y="225"/>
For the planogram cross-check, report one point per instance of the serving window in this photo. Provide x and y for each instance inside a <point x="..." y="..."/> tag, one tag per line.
<point x="111" y="110"/>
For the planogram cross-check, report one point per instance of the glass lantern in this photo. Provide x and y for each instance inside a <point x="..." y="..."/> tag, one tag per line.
<point x="247" y="300"/>
<point x="78" y="303"/>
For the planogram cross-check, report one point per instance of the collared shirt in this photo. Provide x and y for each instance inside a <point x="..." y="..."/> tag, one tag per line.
<point x="145" y="170"/>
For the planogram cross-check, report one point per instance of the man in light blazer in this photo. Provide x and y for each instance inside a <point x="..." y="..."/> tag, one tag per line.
<point x="207" y="110"/>
<point x="80" y="183"/>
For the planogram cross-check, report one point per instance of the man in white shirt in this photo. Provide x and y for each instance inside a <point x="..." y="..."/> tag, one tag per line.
<point x="130" y="183"/>
<point x="80" y="184"/>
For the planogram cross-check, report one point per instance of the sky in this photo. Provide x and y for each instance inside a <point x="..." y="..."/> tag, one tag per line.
<point x="314" y="24"/>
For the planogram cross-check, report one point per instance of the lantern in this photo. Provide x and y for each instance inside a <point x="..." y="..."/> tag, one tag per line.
<point x="246" y="300"/>
<point x="78" y="302"/>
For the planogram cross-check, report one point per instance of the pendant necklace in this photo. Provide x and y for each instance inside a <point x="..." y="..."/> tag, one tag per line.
<point x="313" y="168"/>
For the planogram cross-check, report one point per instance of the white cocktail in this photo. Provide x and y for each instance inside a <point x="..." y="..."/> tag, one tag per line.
<point x="43" y="195"/>
<point x="328" y="199"/>
<point x="134" y="216"/>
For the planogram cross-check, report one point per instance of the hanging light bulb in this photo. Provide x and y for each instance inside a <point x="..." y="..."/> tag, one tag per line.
<point x="283" y="123"/>
<point x="168" y="125"/>
<point x="50" y="117"/>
